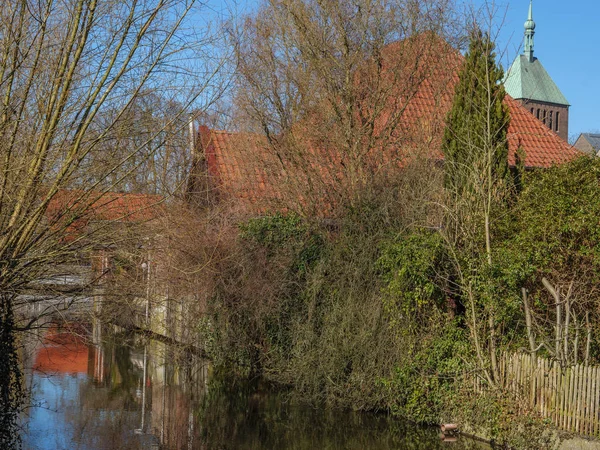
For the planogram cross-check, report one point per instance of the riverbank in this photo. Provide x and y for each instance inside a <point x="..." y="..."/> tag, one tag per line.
<point x="391" y="305"/>
<point x="130" y="392"/>
<point x="372" y="312"/>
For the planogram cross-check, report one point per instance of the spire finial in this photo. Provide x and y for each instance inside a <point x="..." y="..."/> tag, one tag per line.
<point x="529" y="32"/>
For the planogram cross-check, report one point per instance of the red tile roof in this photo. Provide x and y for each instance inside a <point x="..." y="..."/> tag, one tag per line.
<point x="83" y="207"/>
<point x="245" y="166"/>
<point x="109" y="206"/>
<point x="126" y="207"/>
<point x="542" y="146"/>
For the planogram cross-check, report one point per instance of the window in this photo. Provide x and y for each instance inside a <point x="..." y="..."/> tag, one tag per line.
<point x="544" y="116"/>
<point x="538" y="113"/>
<point x="532" y="111"/>
<point x="550" y="120"/>
<point x="556" y="121"/>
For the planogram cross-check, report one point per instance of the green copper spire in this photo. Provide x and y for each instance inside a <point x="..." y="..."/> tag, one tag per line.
<point x="529" y="32"/>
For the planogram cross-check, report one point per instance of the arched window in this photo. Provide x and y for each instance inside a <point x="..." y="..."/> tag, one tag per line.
<point x="544" y="116"/>
<point x="538" y="113"/>
<point x="550" y="120"/>
<point x="556" y="121"/>
<point x="531" y="110"/>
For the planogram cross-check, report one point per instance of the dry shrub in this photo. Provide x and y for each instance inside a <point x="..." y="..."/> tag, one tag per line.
<point x="301" y="301"/>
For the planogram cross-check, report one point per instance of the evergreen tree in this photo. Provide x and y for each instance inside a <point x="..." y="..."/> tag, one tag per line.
<point x="474" y="144"/>
<point x="476" y="165"/>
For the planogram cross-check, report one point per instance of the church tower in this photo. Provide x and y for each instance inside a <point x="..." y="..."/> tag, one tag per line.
<point x="528" y="82"/>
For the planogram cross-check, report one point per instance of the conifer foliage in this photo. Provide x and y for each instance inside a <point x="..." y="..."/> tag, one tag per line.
<point x="474" y="144"/>
<point x="476" y="168"/>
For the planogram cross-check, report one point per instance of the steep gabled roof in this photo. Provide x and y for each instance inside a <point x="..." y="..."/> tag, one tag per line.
<point x="246" y="167"/>
<point x="243" y="165"/>
<point x="593" y="139"/>
<point x="542" y="146"/>
<point x="529" y="80"/>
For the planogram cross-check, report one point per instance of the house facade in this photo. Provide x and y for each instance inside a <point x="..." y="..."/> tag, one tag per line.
<point x="588" y="143"/>
<point x="90" y="227"/>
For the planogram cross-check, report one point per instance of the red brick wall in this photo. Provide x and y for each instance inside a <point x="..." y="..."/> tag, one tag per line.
<point x="547" y="114"/>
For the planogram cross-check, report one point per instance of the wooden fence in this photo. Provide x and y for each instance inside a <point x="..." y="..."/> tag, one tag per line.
<point x="566" y="396"/>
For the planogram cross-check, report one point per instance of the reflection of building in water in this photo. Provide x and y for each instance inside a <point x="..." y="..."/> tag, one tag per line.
<point x="123" y="390"/>
<point x="97" y="368"/>
<point x="176" y="392"/>
<point x="62" y="352"/>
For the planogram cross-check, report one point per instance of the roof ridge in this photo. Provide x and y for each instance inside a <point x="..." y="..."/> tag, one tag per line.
<point x="539" y="124"/>
<point x="530" y="80"/>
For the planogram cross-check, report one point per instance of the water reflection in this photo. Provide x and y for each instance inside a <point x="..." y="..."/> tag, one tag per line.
<point x="252" y="417"/>
<point x="125" y="392"/>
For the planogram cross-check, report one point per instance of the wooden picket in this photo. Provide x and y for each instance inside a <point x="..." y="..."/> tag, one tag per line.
<point x="566" y="396"/>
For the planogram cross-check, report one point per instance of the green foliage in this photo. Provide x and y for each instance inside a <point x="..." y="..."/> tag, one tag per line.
<point x="411" y="267"/>
<point x="555" y="223"/>
<point x="273" y="231"/>
<point x="339" y="312"/>
<point x="425" y="386"/>
<point x="342" y="342"/>
<point x="281" y="232"/>
<point x="477" y="124"/>
<point x="358" y="317"/>
<point x="261" y="294"/>
<point x="551" y="231"/>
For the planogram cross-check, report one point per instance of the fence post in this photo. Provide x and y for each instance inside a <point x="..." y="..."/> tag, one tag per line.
<point x="571" y="399"/>
<point x="596" y="422"/>
<point x="568" y="396"/>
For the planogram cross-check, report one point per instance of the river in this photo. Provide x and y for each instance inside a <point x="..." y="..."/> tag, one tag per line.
<point x="121" y="391"/>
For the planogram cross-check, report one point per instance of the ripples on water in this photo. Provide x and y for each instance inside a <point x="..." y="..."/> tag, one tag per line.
<point x="126" y="392"/>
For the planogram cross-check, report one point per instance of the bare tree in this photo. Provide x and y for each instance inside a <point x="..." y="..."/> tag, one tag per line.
<point x="328" y="85"/>
<point x="155" y="133"/>
<point x="70" y="72"/>
<point x="564" y="331"/>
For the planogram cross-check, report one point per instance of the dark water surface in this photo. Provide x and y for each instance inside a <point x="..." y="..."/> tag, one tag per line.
<point x="126" y="392"/>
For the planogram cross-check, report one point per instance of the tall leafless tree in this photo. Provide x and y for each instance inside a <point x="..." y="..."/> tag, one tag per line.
<point x="327" y="83"/>
<point x="70" y="73"/>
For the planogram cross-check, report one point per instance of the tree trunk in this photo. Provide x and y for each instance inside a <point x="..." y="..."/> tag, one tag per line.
<point x="11" y="400"/>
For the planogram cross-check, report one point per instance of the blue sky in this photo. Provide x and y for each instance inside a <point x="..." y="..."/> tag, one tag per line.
<point x="567" y="43"/>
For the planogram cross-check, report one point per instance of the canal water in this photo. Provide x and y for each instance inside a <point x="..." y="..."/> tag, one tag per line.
<point x="128" y="392"/>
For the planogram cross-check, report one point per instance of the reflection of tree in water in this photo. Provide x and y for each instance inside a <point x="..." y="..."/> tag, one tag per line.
<point x="109" y="410"/>
<point x="123" y="378"/>
<point x="126" y="377"/>
<point x="251" y="416"/>
<point x="181" y="412"/>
